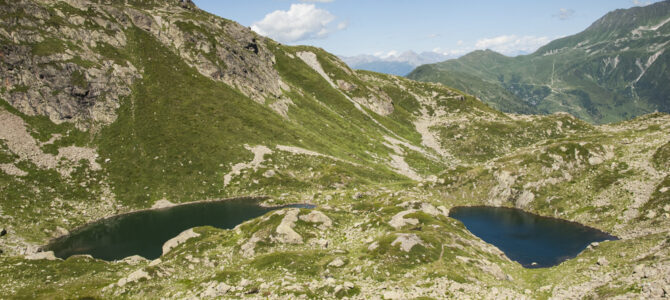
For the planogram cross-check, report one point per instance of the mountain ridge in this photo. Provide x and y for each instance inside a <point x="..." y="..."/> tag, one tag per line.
<point x="609" y="72"/>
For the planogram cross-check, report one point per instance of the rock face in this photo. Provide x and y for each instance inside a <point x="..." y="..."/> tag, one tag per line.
<point x="68" y="73"/>
<point x="43" y="75"/>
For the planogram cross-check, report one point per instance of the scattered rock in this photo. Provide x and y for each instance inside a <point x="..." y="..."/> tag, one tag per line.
<point x="602" y="261"/>
<point x="323" y="243"/>
<point x="3" y="232"/>
<point x="11" y="169"/>
<point x="259" y="157"/>
<point x="134" y="277"/>
<point x="392" y="295"/>
<point x="346" y="86"/>
<point x="60" y="231"/>
<point x="215" y="290"/>
<point x="595" y="160"/>
<point x="338" y="262"/>
<point x="269" y="173"/>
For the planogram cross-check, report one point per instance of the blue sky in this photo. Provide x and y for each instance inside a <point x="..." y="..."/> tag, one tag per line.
<point x="352" y="27"/>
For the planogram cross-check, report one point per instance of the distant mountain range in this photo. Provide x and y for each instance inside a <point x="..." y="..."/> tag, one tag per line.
<point x="614" y="70"/>
<point x="394" y="63"/>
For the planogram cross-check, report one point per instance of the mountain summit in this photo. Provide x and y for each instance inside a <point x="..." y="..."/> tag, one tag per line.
<point x="399" y="64"/>
<point x="616" y="69"/>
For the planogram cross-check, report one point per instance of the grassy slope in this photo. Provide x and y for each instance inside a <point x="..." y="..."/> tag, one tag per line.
<point x="179" y="133"/>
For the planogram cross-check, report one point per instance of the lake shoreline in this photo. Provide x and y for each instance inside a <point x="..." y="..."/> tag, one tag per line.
<point x="79" y="228"/>
<point x="540" y="216"/>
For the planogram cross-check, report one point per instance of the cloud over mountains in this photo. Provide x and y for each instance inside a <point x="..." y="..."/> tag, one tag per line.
<point x="301" y="22"/>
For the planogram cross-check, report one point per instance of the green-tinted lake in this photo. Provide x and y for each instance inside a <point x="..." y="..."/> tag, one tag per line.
<point x="144" y="233"/>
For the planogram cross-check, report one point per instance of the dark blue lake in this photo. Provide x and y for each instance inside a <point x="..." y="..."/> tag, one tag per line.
<point x="143" y="233"/>
<point x="533" y="241"/>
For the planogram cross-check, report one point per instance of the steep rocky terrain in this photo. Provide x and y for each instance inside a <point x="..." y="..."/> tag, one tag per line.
<point x="614" y="70"/>
<point x="112" y="106"/>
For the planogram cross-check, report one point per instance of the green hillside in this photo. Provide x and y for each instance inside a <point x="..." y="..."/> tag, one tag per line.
<point x="108" y="107"/>
<point x="614" y="70"/>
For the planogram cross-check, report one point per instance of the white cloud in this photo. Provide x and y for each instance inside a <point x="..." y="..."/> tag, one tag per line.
<point x="452" y="52"/>
<point x="512" y="44"/>
<point x="565" y="13"/>
<point x="342" y="25"/>
<point x="300" y="22"/>
<point x="641" y="3"/>
<point x="321" y="1"/>
<point x="386" y="55"/>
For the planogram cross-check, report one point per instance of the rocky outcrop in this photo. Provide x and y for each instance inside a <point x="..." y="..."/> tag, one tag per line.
<point x="44" y="72"/>
<point x="48" y="255"/>
<point x="221" y="50"/>
<point x="75" y="72"/>
<point x="178" y="240"/>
